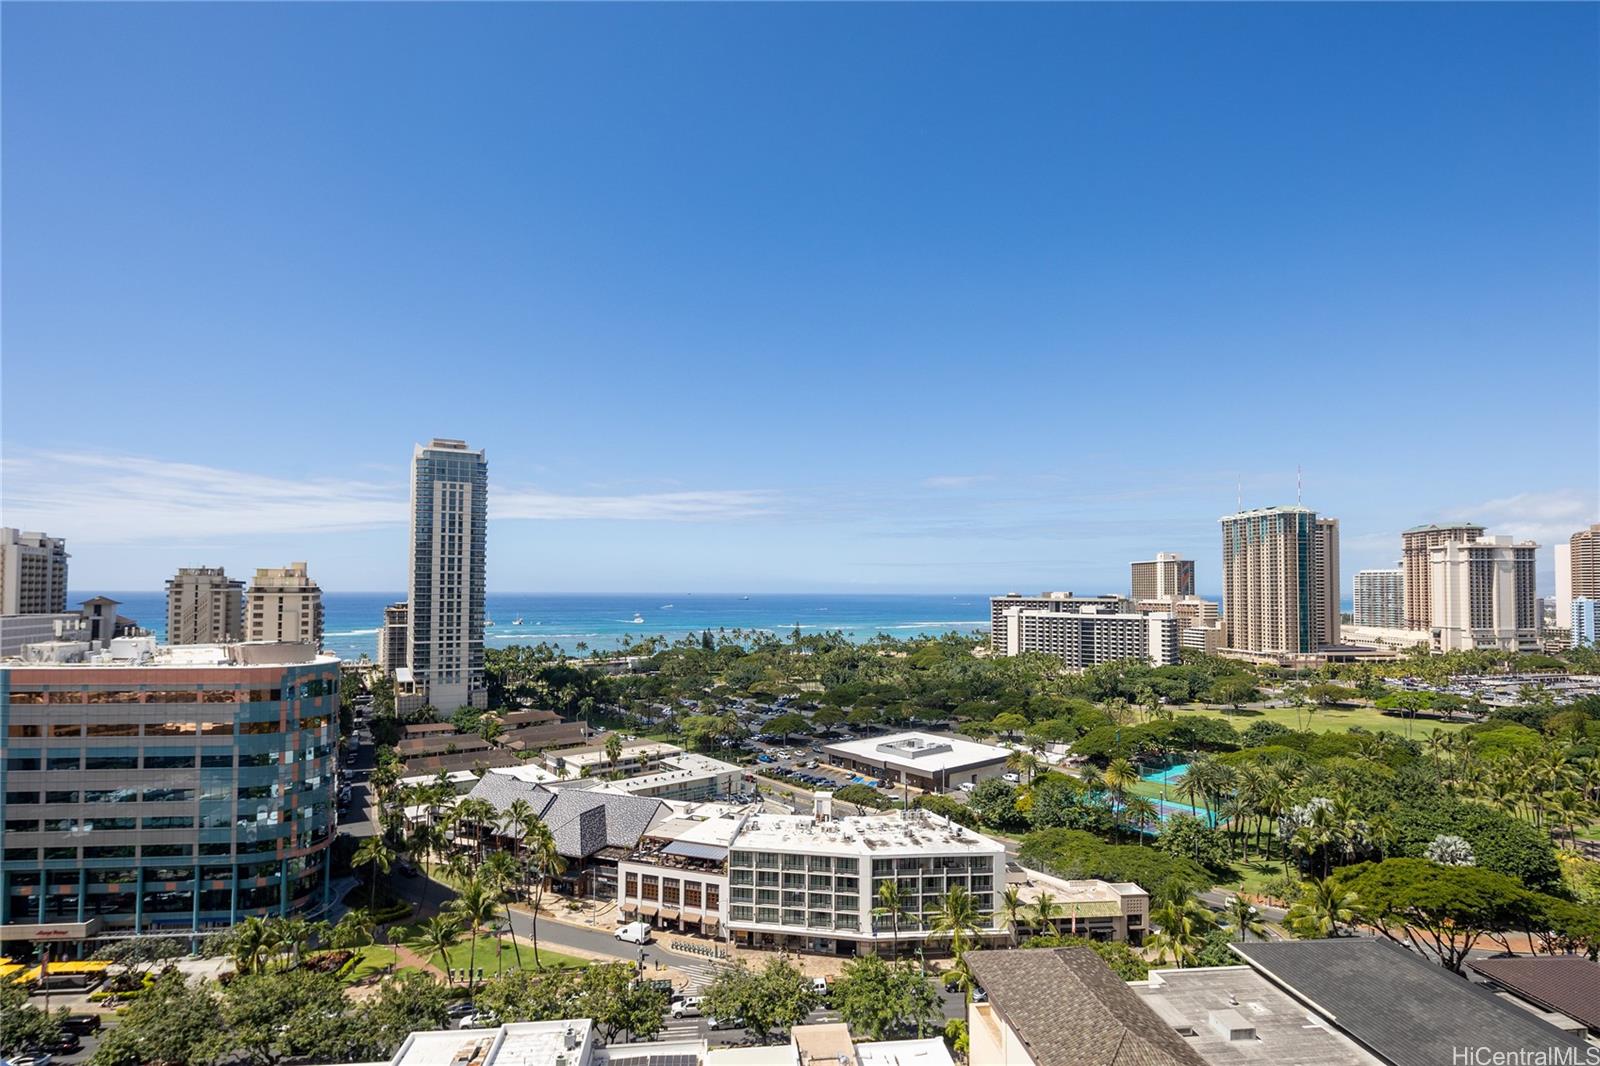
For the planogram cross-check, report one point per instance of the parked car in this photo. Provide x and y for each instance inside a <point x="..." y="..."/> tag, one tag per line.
<point x="966" y="786"/>
<point x="460" y="1010"/>
<point x="819" y="985"/>
<point x="686" y="1007"/>
<point x="811" y="764"/>
<point x="33" y="1058"/>
<point x="64" y="1044"/>
<point x="724" y="1023"/>
<point x="1011" y="778"/>
<point x="82" y="1024"/>
<point x="408" y="868"/>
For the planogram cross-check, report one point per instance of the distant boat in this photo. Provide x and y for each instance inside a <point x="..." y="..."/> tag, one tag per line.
<point x="638" y="619"/>
<point x="488" y="621"/>
<point x="517" y="621"/>
<point x="744" y="597"/>
<point x="666" y="606"/>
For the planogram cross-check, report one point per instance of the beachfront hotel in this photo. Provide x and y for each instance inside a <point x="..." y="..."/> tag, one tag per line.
<point x="33" y="573"/>
<point x="1280" y="580"/>
<point x="1415" y="544"/>
<point x="1483" y="595"/>
<point x="1379" y="599"/>
<point x="166" y="790"/>
<point x="204" y="606"/>
<point x="284" y="604"/>
<point x="1088" y="637"/>
<point x="1166" y="577"/>
<point x="445" y="612"/>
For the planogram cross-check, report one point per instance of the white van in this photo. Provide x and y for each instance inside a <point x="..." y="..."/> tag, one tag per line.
<point x="635" y="933"/>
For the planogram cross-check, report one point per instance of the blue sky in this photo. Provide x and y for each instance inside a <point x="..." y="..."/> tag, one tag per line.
<point x="794" y="297"/>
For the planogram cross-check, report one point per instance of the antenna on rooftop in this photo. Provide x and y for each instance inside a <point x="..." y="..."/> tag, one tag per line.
<point x="1298" y="484"/>
<point x="1238" y="499"/>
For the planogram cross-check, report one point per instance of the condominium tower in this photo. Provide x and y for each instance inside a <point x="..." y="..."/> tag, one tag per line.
<point x="1585" y="626"/>
<point x="1416" y="543"/>
<point x="392" y="639"/>
<point x="283" y="603"/>
<point x="1379" y="598"/>
<point x="204" y="607"/>
<point x="1162" y="578"/>
<point x="1483" y="595"/>
<point x="1091" y="637"/>
<point x="449" y="516"/>
<point x="33" y="573"/>
<point x="1280" y="580"/>
<point x="1584" y="562"/>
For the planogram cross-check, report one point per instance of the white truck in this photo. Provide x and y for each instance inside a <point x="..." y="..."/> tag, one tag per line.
<point x="634" y="933"/>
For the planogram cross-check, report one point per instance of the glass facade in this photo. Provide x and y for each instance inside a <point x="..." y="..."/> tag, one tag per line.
<point x="167" y="797"/>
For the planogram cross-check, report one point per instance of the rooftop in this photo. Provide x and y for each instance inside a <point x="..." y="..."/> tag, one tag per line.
<point x="923" y="752"/>
<point x="1068" y="1008"/>
<point x="1233" y="1015"/>
<point x="910" y="832"/>
<point x="1085" y="899"/>
<point x="145" y="653"/>
<point x="1569" y="984"/>
<point x="1398" y="1005"/>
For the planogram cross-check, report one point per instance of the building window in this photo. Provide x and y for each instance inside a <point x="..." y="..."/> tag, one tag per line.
<point x="631" y="889"/>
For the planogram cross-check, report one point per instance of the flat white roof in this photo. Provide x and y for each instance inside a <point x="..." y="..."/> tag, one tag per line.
<point x="914" y="832"/>
<point x="928" y="1052"/>
<point x="923" y="753"/>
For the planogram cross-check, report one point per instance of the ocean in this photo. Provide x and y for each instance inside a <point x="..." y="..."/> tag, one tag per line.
<point x="350" y="628"/>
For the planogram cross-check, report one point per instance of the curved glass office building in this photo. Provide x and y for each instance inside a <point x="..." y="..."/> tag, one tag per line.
<point x="170" y="790"/>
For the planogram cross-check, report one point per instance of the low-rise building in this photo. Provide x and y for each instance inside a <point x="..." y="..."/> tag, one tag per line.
<point x="811" y="882"/>
<point x="1099" y="910"/>
<point x="677" y="877"/>
<point x="933" y="762"/>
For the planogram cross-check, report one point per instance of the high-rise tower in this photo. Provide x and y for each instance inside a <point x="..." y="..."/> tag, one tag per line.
<point x="449" y="516"/>
<point x="1280" y="574"/>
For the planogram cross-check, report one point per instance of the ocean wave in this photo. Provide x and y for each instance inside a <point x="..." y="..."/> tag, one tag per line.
<point x="353" y="633"/>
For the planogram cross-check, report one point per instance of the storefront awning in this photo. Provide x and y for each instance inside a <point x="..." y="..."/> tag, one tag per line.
<point x="648" y="910"/>
<point x="669" y="914"/>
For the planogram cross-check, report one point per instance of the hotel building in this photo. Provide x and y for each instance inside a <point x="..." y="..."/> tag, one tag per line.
<point x="204" y="607"/>
<point x="1089" y="637"/>
<point x="1416" y="543"/>
<point x="445" y="613"/>
<point x="284" y="604"/>
<point x="1163" y="578"/>
<point x="1379" y="599"/>
<point x="1047" y="601"/>
<point x="1583" y="565"/>
<point x="1483" y="595"/>
<point x="166" y="790"/>
<point x="1280" y="573"/>
<point x="1585" y="629"/>
<point x="392" y="639"/>
<point x="33" y="573"/>
<point x="810" y="882"/>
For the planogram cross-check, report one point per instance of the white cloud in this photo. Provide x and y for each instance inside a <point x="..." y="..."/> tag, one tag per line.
<point x="954" y="481"/>
<point x="102" y="498"/>
<point x="1545" y="517"/>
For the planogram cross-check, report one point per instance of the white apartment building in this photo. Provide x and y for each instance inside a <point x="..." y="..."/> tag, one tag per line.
<point x="1585" y="629"/>
<point x="445" y="616"/>
<point x="1484" y="595"/>
<point x="1563" y="597"/>
<point x="33" y="573"/>
<point x="1379" y="599"/>
<point x="810" y="882"/>
<point x="1048" y="601"/>
<point x="284" y="604"/>
<point x="1089" y="638"/>
<point x="204" y="606"/>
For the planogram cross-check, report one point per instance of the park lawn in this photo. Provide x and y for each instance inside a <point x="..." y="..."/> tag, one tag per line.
<point x="1252" y="876"/>
<point x="375" y="959"/>
<point x="1327" y="719"/>
<point x="487" y="959"/>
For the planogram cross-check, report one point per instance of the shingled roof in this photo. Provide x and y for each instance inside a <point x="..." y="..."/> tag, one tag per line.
<point x="583" y="821"/>
<point x="1404" y="1009"/>
<point x="1070" y="1009"/>
<point x="1567" y="984"/>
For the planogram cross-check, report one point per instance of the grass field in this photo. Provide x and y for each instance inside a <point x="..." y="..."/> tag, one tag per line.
<point x="375" y="959"/>
<point x="1327" y="719"/>
<point x="494" y="954"/>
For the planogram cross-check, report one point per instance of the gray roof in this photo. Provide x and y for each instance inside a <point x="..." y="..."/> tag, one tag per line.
<point x="1070" y="1009"/>
<point x="583" y="821"/>
<point x="1398" y="1005"/>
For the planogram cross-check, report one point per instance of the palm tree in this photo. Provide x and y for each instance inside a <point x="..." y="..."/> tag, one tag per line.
<point x="355" y="930"/>
<point x="613" y="750"/>
<point x="500" y="874"/>
<point x="1244" y="918"/>
<point x="513" y="823"/>
<point x="377" y="856"/>
<point x="438" y="935"/>
<point x="1012" y="907"/>
<point x="1119" y="776"/>
<point x="1321" y="910"/>
<point x="296" y="935"/>
<point x="546" y="862"/>
<point x="475" y="814"/>
<point x="426" y="840"/>
<point x="1045" y="912"/>
<point x="956" y="917"/>
<point x="1142" y="812"/>
<point x="252" y="941"/>
<point x="891" y="905"/>
<point x="1182" y="931"/>
<point x="475" y="908"/>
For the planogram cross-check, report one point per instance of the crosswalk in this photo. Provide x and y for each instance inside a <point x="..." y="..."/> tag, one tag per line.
<point x="700" y="972"/>
<point x="680" y="1029"/>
